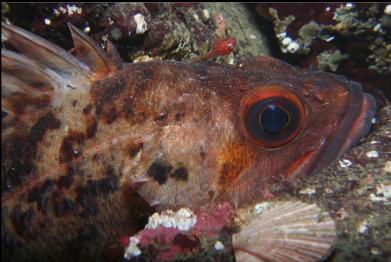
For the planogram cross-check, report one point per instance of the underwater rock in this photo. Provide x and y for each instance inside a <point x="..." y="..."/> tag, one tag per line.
<point x="357" y="195"/>
<point x="352" y="39"/>
<point x="146" y="31"/>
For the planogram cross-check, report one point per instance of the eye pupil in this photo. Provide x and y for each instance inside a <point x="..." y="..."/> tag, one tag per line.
<point x="273" y="119"/>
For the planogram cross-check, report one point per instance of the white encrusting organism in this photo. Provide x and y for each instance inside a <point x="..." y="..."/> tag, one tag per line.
<point x="132" y="250"/>
<point x="183" y="219"/>
<point x="141" y="24"/>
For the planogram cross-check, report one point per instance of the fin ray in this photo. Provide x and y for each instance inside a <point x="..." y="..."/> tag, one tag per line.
<point x="88" y="51"/>
<point x="113" y="54"/>
<point x="29" y="71"/>
<point x="45" y="52"/>
<point x="11" y="85"/>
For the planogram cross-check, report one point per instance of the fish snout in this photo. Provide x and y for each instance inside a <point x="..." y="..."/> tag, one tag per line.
<point x="363" y="122"/>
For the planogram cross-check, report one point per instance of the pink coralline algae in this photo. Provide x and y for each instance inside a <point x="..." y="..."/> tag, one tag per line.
<point x="165" y="237"/>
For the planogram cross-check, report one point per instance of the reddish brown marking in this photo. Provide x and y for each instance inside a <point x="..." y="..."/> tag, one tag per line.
<point x="62" y="167"/>
<point x="111" y="115"/>
<point x="92" y="127"/>
<point x="87" y="109"/>
<point x="71" y="146"/>
<point x="20" y="102"/>
<point x="19" y="151"/>
<point x="22" y="220"/>
<point x="236" y="158"/>
<point x="105" y="92"/>
<point x="127" y="107"/>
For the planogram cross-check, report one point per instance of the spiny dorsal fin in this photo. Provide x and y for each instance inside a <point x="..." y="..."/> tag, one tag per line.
<point x="46" y="53"/>
<point x="12" y="85"/>
<point x="19" y="97"/>
<point x="88" y="51"/>
<point x="30" y="71"/>
<point x="113" y="54"/>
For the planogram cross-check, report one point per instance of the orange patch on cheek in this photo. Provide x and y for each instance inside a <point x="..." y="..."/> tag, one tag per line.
<point x="234" y="159"/>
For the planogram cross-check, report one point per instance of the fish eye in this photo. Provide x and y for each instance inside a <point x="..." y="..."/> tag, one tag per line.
<point x="271" y="116"/>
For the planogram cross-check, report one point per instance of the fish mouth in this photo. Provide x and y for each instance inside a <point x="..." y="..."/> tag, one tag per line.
<point x="363" y="122"/>
<point x="352" y="128"/>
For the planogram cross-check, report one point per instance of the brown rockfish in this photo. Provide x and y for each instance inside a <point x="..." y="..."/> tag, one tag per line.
<point x="89" y="143"/>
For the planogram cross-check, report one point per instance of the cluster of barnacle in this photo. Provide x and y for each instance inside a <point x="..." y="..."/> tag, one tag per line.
<point x="335" y="27"/>
<point x="279" y="231"/>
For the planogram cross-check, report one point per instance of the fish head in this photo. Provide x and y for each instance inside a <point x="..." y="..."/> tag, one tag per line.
<point x="240" y="132"/>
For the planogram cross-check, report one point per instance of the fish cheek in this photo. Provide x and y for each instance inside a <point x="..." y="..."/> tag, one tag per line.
<point x="235" y="159"/>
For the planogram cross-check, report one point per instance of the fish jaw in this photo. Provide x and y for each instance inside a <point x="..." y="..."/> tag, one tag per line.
<point x="359" y="112"/>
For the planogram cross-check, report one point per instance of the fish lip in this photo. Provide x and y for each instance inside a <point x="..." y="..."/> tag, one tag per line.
<point x="349" y="131"/>
<point x="362" y="124"/>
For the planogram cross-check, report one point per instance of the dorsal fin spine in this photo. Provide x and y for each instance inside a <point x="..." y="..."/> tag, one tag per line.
<point x="88" y="51"/>
<point x="44" y="51"/>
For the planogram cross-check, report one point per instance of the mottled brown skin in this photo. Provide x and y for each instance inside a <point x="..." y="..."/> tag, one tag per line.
<point x="69" y="178"/>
